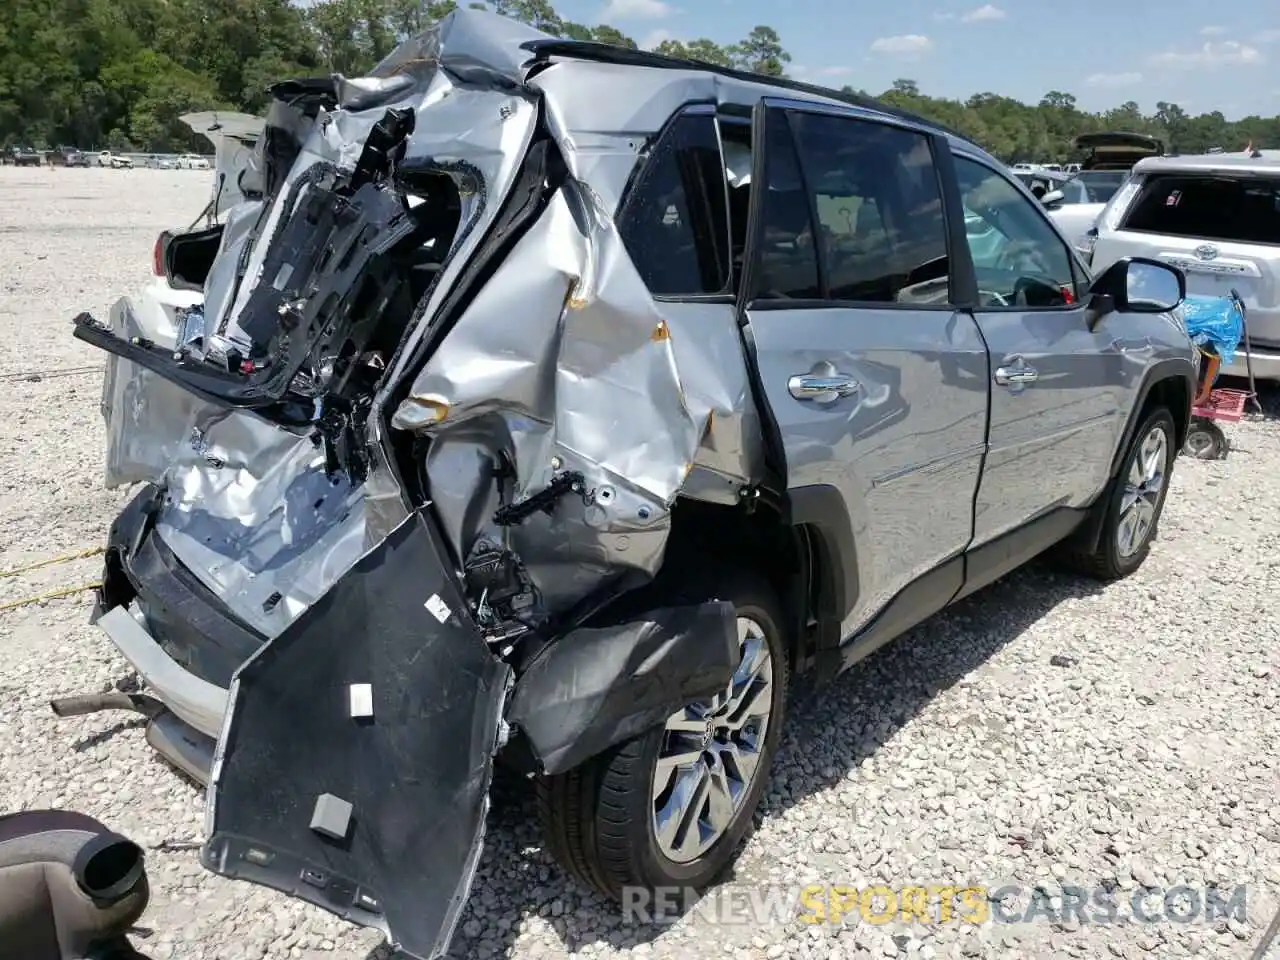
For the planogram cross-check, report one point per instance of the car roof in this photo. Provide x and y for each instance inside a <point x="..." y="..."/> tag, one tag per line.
<point x="1212" y="163"/>
<point x="608" y="53"/>
<point x="481" y="41"/>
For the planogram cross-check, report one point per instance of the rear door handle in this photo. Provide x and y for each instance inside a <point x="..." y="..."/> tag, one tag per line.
<point x="1013" y="376"/>
<point x="822" y="384"/>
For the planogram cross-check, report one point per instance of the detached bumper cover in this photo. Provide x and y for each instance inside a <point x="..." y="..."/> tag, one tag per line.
<point x="415" y="772"/>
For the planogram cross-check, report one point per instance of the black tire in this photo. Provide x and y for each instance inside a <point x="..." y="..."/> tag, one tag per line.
<point x="1106" y="561"/>
<point x="597" y="820"/>
<point x="1205" y="440"/>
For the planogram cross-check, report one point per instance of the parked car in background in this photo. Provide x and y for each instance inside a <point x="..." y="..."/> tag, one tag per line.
<point x="75" y="158"/>
<point x="1067" y="200"/>
<point x="1216" y="218"/>
<point x="1102" y="184"/>
<point x="387" y="528"/>
<point x="57" y="157"/>
<point x="27" y="157"/>
<point x="1116" y="150"/>
<point x="191" y="161"/>
<point x="115" y="160"/>
<point x="182" y="255"/>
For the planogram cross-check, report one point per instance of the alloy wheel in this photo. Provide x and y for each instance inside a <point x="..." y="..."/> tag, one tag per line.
<point x="1142" y="490"/>
<point x="711" y="754"/>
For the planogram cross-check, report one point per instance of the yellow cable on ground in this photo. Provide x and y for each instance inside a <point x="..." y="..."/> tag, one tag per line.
<point x="91" y="552"/>
<point x="51" y="595"/>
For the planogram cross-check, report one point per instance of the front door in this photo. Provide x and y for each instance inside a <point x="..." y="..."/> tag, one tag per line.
<point x="1056" y="385"/>
<point x="876" y="386"/>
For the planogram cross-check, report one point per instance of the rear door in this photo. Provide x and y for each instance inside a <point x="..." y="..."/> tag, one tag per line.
<point x="875" y="384"/>
<point x="354" y="764"/>
<point x="1056" y="385"/>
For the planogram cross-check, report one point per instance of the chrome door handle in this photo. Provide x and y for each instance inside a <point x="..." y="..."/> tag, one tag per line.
<point x="822" y="387"/>
<point x="1010" y="376"/>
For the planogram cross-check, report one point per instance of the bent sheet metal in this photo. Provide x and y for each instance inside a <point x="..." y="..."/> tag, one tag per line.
<point x="421" y="336"/>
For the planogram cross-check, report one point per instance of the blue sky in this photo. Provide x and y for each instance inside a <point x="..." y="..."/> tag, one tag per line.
<point x="1204" y="56"/>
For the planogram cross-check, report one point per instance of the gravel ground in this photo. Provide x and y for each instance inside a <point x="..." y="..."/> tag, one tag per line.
<point x="1045" y="733"/>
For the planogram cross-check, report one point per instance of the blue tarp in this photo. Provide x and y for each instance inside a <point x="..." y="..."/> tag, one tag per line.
<point x="1214" y="322"/>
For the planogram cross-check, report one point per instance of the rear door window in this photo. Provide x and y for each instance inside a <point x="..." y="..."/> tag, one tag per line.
<point x="673" y="221"/>
<point x="1244" y="209"/>
<point x="858" y="219"/>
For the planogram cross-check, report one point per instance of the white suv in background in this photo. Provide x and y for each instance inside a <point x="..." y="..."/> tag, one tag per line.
<point x="1217" y="217"/>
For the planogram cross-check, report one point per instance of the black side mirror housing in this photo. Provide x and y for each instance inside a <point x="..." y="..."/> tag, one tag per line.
<point x="1136" y="285"/>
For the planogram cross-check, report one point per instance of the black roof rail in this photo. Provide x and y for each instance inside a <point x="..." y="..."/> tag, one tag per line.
<point x="625" y="56"/>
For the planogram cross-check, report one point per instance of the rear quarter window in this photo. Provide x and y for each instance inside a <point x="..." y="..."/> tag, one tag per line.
<point x="1243" y="209"/>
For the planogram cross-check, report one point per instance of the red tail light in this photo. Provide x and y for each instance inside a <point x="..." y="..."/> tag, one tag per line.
<point x="1068" y="295"/>
<point x="157" y="256"/>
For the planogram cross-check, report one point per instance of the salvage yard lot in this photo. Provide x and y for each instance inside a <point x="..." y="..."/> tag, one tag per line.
<point x="1045" y="733"/>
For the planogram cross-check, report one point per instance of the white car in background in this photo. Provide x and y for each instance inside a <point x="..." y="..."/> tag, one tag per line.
<point x="191" y="161"/>
<point x="169" y="294"/>
<point x="1217" y="217"/>
<point x="114" y="160"/>
<point x="1067" y="200"/>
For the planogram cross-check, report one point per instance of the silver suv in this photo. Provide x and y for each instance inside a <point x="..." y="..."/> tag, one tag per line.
<point x="1217" y="218"/>
<point x="558" y="403"/>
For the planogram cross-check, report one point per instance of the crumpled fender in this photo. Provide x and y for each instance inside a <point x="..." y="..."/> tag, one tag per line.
<point x="598" y="686"/>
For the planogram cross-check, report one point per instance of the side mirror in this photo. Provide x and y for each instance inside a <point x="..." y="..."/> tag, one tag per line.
<point x="1136" y="285"/>
<point x="1052" y="199"/>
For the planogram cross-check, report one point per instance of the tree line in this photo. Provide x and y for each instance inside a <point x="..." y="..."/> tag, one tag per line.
<point x="117" y="74"/>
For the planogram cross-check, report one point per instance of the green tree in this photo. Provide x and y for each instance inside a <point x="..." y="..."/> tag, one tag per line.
<point x="761" y="52"/>
<point x="119" y="73"/>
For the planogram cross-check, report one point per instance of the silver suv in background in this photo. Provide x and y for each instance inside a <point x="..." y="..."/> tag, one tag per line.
<point x="1217" y="218"/>
<point x="557" y="403"/>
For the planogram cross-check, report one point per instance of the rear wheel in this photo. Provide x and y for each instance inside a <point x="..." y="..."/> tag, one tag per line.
<point x="1133" y="503"/>
<point x="669" y="808"/>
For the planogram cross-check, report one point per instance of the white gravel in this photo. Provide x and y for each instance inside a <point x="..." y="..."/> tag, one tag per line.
<point x="962" y="754"/>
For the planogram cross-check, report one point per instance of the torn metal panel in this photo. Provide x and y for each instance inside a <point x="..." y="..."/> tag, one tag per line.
<point x="603" y="114"/>
<point x="558" y="366"/>
<point x="476" y="134"/>
<point x="600" y="685"/>
<point x="249" y="506"/>
<point x="563" y="363"/>
<point x="416" y="773"/>
<point x="713" y="369"/>
<point x="219" y="286"/>
<point x="464" y="39"/>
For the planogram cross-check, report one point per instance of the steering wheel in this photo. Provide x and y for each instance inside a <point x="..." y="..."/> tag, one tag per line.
<point x="1036" y="281"/>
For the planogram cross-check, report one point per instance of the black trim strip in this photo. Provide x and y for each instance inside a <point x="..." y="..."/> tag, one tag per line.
<point x="622" y="56"/>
